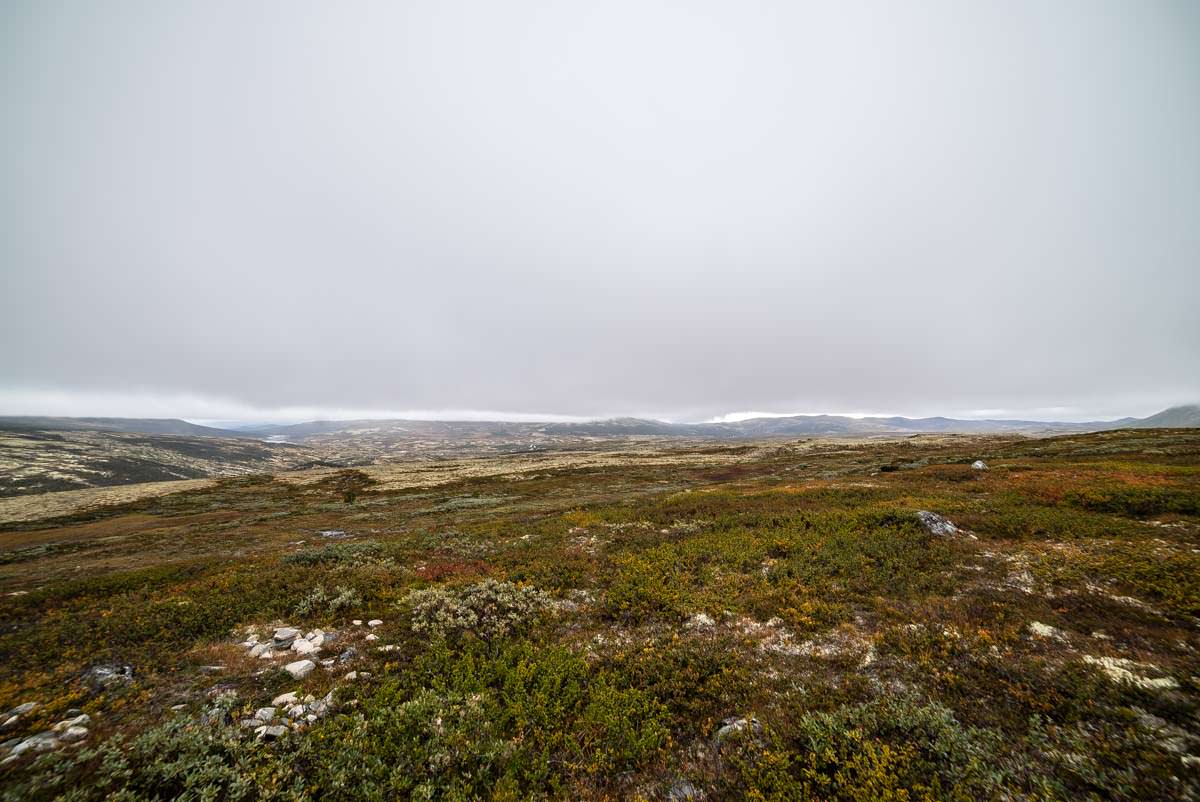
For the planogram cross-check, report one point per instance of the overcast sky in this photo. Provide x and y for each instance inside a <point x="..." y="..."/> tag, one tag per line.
<point x="688" y="209"/>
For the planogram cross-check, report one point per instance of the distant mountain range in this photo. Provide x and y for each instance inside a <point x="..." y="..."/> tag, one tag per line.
<point x="133" y="425"/>
<point x="1186" y="416"/>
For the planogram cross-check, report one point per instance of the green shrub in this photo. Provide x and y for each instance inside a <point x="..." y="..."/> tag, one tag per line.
<point x="366" y="552"/>
<point x="319" y="601"/>
<point x="1136" y="501"/>
<point x="488" y="609"/>
<point x="501" y="720"/>
<point x="179" y="760"/>
<point x="894" y="748"/>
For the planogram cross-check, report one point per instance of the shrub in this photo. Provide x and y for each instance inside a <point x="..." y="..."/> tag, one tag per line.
<point x="176" y="760"/>
<point x="319" y="601"/>
<point x="888" y="749"/>
<point x="353" y="555"/>
<point x="487" y="609"/>
<point x="500" y="720"/>
<point x="1136" y="501"/>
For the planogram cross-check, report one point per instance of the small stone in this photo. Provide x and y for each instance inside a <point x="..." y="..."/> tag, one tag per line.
<point x="10" y="722"/>
<point x="731" y="726"/>
<point x="268" y="732"/>
<point x="42" y="742"/>
<point x="353" y="675"/>
<point x="81" y="720"/>
<point x="300" y="668"/>
<point x="348" y="655"/>
<point x="22" y="709"/>
<point x="979" y="465"/>
<point x="328" y="662"/>
<point x="357" y="622"/>
<point x="374" y="622"/>
<point x="936" y="524"/>
<point x="105" y="676"/>
<point x="371" y="636"/>
<point x="74" y="734"/>
<point x="266" y="654"/>
<point x="285" y="699"/>
<point x="178" y="707"/>
<point x="258" y="649"/>
<point x="284" y="636"/>
<point x="249" y="723"/>
<point x="317" y="640"/>
<point x="265" y="713"/>
<point x="1040" y="630"/>
<point x="303" y="646"/>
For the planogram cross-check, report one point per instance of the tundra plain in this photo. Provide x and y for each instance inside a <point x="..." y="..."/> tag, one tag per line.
<point x="634" y="620"/>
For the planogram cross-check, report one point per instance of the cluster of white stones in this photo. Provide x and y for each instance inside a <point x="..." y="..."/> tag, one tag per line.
<point x="67" y="732"/>
<point x="287" y="712"/>
<point x="285" y="640"/>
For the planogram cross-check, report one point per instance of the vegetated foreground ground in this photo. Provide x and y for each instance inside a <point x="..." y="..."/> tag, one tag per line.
<point x="766" y="621"/>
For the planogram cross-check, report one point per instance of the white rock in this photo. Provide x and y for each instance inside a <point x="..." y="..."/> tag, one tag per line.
<point x="303" y="646"/>
<point x="700" y="621"/>
<point x="357" y="622"/>
<point x="1040" y="630"/>
<point x="936" y="524"/>
<point x="374" y="622"/>
<point x="317" y="640"/>
<point x="42" y="742"/>
<point x="81" y="720"/>
<point x="1120" y="669"/>
<point x="979" y="465"/>
<point x="257" y="649"/>
<point x="73" y="734"/>
<point x="265" y="713"/>
<point x="371" y="636"/>
<point x="353" y="675"/>
<point x="284" y="699"/>
<point x="266" y="654"/>
<point x="300" y="668"/>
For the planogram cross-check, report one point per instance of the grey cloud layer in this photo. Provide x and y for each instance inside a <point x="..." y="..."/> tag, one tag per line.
<point x="604" y="208"/>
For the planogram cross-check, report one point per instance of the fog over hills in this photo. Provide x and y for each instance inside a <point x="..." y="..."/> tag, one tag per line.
<point x="763" y="427"/>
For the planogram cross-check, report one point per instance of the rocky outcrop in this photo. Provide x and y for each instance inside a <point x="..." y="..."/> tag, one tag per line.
<point x="937" y="525"/>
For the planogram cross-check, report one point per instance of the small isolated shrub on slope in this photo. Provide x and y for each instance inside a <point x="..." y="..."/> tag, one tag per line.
<point x="367" y="552"/>
<point x="488" y="609"/>
<point x="320" y="601"/>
